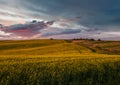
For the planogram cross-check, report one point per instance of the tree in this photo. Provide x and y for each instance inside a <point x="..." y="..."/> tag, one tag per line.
<point x="51" y="38"/>
<point x="99" y="39"/>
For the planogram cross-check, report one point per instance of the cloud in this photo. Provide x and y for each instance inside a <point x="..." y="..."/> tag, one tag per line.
<point x="27" y="29"/>
<point x="38" y="29"/>
<point x="81" y="18"/>
<point x="57" y="31"/>
<point x="66" y="27"/>
<point x="93" y="13"/>
<point x="2" y="33"/>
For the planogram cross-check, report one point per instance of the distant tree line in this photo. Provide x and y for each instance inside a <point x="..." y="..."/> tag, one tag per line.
<point x="87" y="39"/>
<point x="92" y="39"/>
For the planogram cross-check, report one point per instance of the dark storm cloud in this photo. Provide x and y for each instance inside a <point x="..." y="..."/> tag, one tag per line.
<point x="56" y="31"/>
<point x="93" y="12"/>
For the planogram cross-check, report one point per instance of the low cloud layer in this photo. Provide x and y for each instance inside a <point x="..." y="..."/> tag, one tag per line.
<point x="26" y="30"/>
<point x="43" y="29"/>
<point x="59" y="29"/>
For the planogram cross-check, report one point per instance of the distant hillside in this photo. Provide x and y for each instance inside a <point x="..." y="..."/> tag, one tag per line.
<point x="40" y="47"/>
<point x="102" y="47"/>
<point x="55" y="47"/>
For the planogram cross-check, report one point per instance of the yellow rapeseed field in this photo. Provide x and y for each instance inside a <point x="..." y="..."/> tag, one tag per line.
<point x="58" y="62"/>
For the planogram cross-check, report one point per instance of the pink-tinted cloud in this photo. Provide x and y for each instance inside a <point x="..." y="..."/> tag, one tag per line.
<point x="61" y="28"/>
<point x="28" y="29"/>
<point x="43" y="29"/>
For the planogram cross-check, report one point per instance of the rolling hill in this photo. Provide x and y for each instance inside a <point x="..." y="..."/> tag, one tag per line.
<point x="101" y="47"/>
<point x="59" y="62"/>
<point x="48" y="47"/>
<point x="41" y="47"/>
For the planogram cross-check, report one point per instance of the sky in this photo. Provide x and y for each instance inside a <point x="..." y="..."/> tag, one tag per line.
<point x="60" y="19"/>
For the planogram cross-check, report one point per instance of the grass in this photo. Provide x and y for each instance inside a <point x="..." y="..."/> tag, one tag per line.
<point x="55" y="62"/>
<point x="101" y="47"/>
<point x="40" y="47"/>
